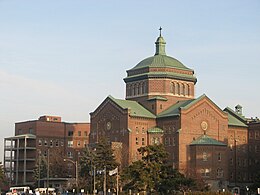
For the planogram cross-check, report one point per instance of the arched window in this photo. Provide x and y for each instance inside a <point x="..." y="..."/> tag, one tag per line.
<point x="219" y="156"/>
<point x="181" y="89"/>
<point x="178" y="89"/>
<point x="144" y="86"/>
<point x="136" y="89"/>
<point x="205" y="156"/>
<point x="220" y="173"/>
<point x="172" y="90"/>
<point x="186" y="90"/>
<point x="141" y="88"/>
<point x="133" y="90"/>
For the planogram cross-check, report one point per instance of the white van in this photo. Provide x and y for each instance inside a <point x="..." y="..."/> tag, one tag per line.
<point x="44" y="190"/>
<point x="19" y="190"/>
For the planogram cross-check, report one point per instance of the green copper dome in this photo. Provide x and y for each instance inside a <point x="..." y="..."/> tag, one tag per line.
<point x="160" y="66"/>
<point x="160" y="59"/>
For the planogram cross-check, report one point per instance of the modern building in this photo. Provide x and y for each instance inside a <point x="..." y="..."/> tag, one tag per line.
<point x="160" y="107"/>
<point x="46" y="137"/>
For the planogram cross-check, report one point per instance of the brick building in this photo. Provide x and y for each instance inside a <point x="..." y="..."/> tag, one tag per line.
<point x="160" y="107"/>
<point x="38" y="137"/>
<point x="203" y="141"/>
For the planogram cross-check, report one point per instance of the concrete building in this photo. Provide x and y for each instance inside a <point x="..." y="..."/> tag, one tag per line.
<point x="39" y="138"/>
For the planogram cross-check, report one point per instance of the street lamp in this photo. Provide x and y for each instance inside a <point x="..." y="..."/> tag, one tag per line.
<point x="76" y="169"/>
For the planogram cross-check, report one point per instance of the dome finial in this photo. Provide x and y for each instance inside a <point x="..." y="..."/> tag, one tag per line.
<point x="160" y="29"/>
<point x="160" y="44"/>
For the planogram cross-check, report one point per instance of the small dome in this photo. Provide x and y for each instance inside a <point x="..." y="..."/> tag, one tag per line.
<point x="160" y="40"/>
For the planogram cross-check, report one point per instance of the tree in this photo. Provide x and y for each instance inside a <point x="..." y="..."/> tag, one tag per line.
<point x="256" y="182"/>
<point x="57" y="166"/>
<point x="146" y="174"/>
<point x="3" y="179"/>
<point x="40" y="170"/>
<point x="173" y="180"/>
<point x="87" y="169"/>
<point x="102" y="158"/>
<point x="153" y="174"/>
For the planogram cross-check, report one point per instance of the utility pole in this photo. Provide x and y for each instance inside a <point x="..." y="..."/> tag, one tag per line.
<point x="94" y="182"/>
<point x="105" y="182"/>
<point x="117" y="178"/>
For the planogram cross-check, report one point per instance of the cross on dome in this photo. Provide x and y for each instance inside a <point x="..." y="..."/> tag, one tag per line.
<point x="160" y="29"/>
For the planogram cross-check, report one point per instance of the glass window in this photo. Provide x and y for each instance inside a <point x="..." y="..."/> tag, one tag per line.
<point x="205" y="156"/>
<point x="69" y="154"/>
<point x="143" y="141"/>
<point x="166" y="141"/>
<point x="156" y="141"/>
<point x="85" y="133"/>
<point x="173" y="141"/>
<point x="40" y="142"/>
<point x="251" y="134"/>
<point x="45" y="143"/>
<point x="205" y="172"/>
<point x="219" y="156"/>
<point x="79" y="133"/>
<point x="136" y="141"/>
<point x="172" y="90"/>
<point x="70" y="144"/>
<point x="70" y="133"/>
<point x="51" y="144"/>
<point x="31" y="131"/>
<point x="78" y="143"/>
<point x="57" y="143"/>
<point x="231" y="161"/>
<point x="220" y="173"/>
<point x="137" y="130"/>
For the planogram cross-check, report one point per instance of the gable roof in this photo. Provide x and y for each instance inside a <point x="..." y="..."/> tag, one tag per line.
<point x="235" y="119"/>
<point x="206" y="140"/>
<point x="174" y="110"/>
<point x="135" y="108"/>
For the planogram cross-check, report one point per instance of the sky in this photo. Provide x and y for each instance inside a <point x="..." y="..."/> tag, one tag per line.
<point x="64" y="57"/>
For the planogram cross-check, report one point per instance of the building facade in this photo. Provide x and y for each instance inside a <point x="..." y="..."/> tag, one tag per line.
<point x="46" y="137"/>
<point x="160" y="107"/>
<point x="220" y="146"/>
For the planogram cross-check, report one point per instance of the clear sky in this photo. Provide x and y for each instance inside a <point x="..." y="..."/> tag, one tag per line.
<point x="64" y="57"/>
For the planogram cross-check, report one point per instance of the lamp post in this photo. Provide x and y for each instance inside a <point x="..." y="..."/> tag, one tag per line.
<point x="76" y="169"/>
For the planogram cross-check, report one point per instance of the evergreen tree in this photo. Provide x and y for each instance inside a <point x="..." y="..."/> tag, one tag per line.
<point x="152" y="173"/>
<point x="101" y="158"/>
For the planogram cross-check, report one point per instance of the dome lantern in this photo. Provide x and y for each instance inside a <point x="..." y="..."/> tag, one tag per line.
<point x="160" y="44"/>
